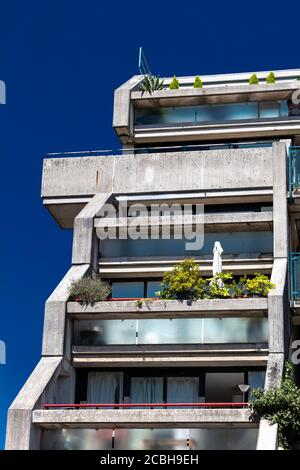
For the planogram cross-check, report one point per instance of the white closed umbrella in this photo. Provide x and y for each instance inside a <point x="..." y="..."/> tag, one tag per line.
<point x="217" y="262"/>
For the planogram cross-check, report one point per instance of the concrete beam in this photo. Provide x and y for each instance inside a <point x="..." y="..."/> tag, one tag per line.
<point x="82" y="252"/>
<point x="241" y="221"/>
<point x="55" y="313"/>
<point x="280" y="206"/>
<point x="142" y="418"/>
<point x="156" y="359"/>
<point x="172" y="308"/>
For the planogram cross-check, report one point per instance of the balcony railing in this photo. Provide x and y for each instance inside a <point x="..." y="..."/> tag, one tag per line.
<point x="294" y="169"/>
<point x="162" y="149"/>
<point x="295" y="275"/>
<point x="49" y="406"/>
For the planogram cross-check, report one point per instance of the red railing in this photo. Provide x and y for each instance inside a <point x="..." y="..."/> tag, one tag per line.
<point x="133" y="298"/>
<point x="147" y="405"/>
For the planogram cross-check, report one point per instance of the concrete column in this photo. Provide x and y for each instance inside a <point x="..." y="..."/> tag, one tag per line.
<point x="267" y="436"/>
<point x="55" y="313"/>
<point x="83" y="235"/>
<point x="20" y="433"/>
<point x="280" y="209"/>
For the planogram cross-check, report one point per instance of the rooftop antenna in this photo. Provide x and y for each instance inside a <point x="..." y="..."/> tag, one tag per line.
<point x="143" y="64"/>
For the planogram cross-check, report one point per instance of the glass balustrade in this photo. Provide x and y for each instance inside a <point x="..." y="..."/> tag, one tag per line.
<point x="170" y="331"/>
<point x="212" y="113"/>
<point x="151" y="439"/>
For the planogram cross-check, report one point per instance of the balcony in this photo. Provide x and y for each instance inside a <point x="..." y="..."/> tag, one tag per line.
<point x="227" y="107"/>
<point x="70" y="182"/>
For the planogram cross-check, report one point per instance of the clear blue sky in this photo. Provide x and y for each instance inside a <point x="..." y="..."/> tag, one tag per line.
<point x="61" y="61"/>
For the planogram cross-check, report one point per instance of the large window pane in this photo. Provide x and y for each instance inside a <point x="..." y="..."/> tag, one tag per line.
<point x="211" y="113"/>
<point x="127" y="289"/>
<point x="232" y="243"/>
<point x="256" y="379"/>
<point x="223" y="387"/>
<point x="152" y="288"/>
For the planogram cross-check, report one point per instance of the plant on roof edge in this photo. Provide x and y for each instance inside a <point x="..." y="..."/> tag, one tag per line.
<point x="89" y="290"/>
<point x="280" y="405"/>
<point x="198" y="82"/>
<point x="271" y="78"/>
<point x="253" y="80"/>
<point x="151" y="83"/>
<point x="174" y="85"/>
<point x="259" y="285"/>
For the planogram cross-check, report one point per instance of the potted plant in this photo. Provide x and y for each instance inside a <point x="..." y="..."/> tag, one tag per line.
<point x="259" y="286"/>
<point x="198" y="82"/>
<point x="271" y="78"/>
<point x="184" y="282"/>
<point x="174" y="85"/>
<point x="151" y="83"/>
<point x="89" y="290"/>
<point x="253" y="80"/>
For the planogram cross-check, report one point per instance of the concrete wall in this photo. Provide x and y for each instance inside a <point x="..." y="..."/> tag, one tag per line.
<point x="181" y="171"/>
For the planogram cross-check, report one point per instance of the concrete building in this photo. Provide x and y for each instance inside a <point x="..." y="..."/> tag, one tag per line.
<point x="232" y="147"/>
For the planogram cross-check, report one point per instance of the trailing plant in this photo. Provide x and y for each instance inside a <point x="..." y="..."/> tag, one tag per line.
<point x="253" y="80"/>
<point x="88" y="290"/>
<point x="280" y="405"/>
<point x="151" y="83"/>
<point x="140" y="302"/>
<point x="184" y="282"/>
<point x="271" y="78"/>
<point x="174" y="85"/>
<point x="198" y="82"/>
<point x="260" y="285"/>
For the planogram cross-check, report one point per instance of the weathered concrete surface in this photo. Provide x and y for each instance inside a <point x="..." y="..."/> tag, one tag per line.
<point x="20" y="434"/>
<point x="267" y="436"/>
<point x="83" y="235"/>
<point x="280" y="209"/>
<point x="276" y="302"/>
<point x="142" y="418"/>
<point x="55" y="313"/>
<point x="274" y="370"/>
<point x="156" y="359"/>
<point x="241" y="221"/>
<point x="169" y="308"/>
<point x="197" y="170"/>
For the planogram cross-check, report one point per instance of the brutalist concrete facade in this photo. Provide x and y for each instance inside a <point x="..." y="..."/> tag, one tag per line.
<point x="221" y="164"/>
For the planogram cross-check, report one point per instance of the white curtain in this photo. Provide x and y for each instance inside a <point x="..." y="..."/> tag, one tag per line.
<point x="104" y="387"/>
<point x="146" y="390"/>
<point x="183" y="390"/>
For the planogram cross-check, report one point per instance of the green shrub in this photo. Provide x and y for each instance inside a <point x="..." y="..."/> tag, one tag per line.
<point x="253" y="80"/>
<point x="198" y="82"/>
<point x="280" y="405"/>
<point x="174" y="85"/>
<point x="260" y="285"/>
<point x="151" y="83"/>
<point x="88" y="290"/>
<point x="219" y="286"/>
<point x="183" y="282"/>
<point x="271" y="78"/>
